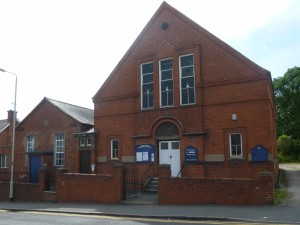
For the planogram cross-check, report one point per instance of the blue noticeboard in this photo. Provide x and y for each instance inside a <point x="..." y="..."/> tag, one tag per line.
<point x="144" y="153"/>
<point x="259" y="154"/>
<point x="191" y="154"/>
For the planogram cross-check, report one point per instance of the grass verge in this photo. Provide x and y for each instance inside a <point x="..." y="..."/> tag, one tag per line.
<point x="281" y="194"/>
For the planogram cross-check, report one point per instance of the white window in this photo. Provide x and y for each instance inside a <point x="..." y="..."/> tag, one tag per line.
<point x="88" y="141"/>
<point x="147" y="85"/>
<point x="59" y="149"/>
<point x="166" y="82"/>
<point x="29" y="144"/>
<point x="82" y="141"/>
<point x="3" y="162"/>
<point x="114" y="149"/>
<point x="187" y="79"/>
<point x="235" y="141"/>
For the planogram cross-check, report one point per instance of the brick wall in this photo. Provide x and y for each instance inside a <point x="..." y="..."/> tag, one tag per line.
<point x="228" y="191"/>
<point x="4" y="191"/>
<point x="22" y="192"/>
<point x="228" y="169"/>
<point x="94" y="188"/>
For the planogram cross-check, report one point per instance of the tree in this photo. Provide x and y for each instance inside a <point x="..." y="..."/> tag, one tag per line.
<point x="284" y="144"/>
<point x="287" y="97"/>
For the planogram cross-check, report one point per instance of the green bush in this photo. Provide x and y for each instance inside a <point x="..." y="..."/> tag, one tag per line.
<point x="288" y="149"/>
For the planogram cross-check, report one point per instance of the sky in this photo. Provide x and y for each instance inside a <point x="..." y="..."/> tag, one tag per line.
<point x="65" y="49"/>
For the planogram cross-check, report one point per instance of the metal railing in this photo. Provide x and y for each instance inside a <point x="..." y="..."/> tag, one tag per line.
<point x="131" y="182"/>
<point x="149" y="173"/>
<point x="50" y="180"/>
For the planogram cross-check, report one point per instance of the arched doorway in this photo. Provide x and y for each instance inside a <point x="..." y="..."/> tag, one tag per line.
<point x="167" y="135"/>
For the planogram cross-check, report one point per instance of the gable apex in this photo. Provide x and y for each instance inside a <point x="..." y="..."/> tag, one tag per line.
<point x="162" y="7"/>
<point x="78" y="113"/>
<point x="166" y="13"/>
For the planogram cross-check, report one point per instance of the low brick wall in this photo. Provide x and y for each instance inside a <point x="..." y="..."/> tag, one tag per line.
<point x="22" y="192"/>
<point x="4" y="191"/>
<point x="229" y="191"/>
<point x="93" y="188"/>
<point x="234" y="169"/>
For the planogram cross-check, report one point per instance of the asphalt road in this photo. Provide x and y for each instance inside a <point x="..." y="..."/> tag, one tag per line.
<point x="48" y="218"/>
<point x="292" y="171"/>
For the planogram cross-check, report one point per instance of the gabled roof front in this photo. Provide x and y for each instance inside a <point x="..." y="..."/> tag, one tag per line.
<point x="165" y="7"/>
<point x="82" y="115"/>
<point x="78" y="113"/>
<point x="3" y="125"/>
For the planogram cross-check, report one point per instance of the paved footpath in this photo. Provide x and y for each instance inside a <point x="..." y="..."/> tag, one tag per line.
<point x="280" y="214"/>
<point x="292" y="171"/>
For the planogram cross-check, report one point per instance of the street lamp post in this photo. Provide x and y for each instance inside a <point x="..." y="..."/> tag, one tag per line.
<point x="11" y="186"/>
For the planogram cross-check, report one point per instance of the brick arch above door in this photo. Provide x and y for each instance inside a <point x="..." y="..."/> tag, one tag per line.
<point x="163" y="126"/>
<point x="167" y="131"/>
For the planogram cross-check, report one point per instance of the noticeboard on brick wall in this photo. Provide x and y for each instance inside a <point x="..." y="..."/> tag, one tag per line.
<point x="144" y="153"/>
<point x="191" y="154"/>
<point x="259" y="154"/>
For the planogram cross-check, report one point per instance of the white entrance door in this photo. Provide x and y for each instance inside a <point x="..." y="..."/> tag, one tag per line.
<point x="169" y="153"/>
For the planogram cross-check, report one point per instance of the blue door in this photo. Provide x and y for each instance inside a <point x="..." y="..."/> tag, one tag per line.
<point x="35" y="165"/>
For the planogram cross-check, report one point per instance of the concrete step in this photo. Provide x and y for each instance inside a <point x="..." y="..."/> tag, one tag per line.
<point x="152" y="185"/>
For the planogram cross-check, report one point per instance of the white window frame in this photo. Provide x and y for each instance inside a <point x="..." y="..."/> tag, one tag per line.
<point x="30" y="141"/>
<point x="59" y="155"/>
<point x="3" y="161"/>
<point x="142" y="77"/>
<point x="88" y="141"/>
<point x="112" y="150"/>
<point x="160" y="81"/>
<point x="180" y="79"/>
<point x="82" y="142"/>
<point x="230" y="146"/>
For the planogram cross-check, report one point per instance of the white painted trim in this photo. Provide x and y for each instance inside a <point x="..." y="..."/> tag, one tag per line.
<point x="141" y="84"/>
<point x="232" y="156"/>
<point x="180" y="75"/>
<point x="6" y="126"/>
<point x="160" y="99"/>
<point x="111" y="148"/>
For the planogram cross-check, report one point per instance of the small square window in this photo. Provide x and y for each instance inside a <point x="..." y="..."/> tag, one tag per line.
<point x="164" y="146"/>
<point x="175" y="145"/>
<point x="82" y="142"/>
<point x="89" y="141"/>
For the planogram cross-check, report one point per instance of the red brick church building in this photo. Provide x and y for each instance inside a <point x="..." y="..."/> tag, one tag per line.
<point x="181" y="107"/>
<point x="183" y="97"/>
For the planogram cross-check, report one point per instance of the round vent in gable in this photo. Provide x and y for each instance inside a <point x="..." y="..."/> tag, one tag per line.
<point x="164" y="25"/>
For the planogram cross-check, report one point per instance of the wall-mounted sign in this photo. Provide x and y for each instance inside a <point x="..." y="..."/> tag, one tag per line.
<point x="259" y="154"/>
<point x="191" y="154"/>
<point x="144" y="153"/>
